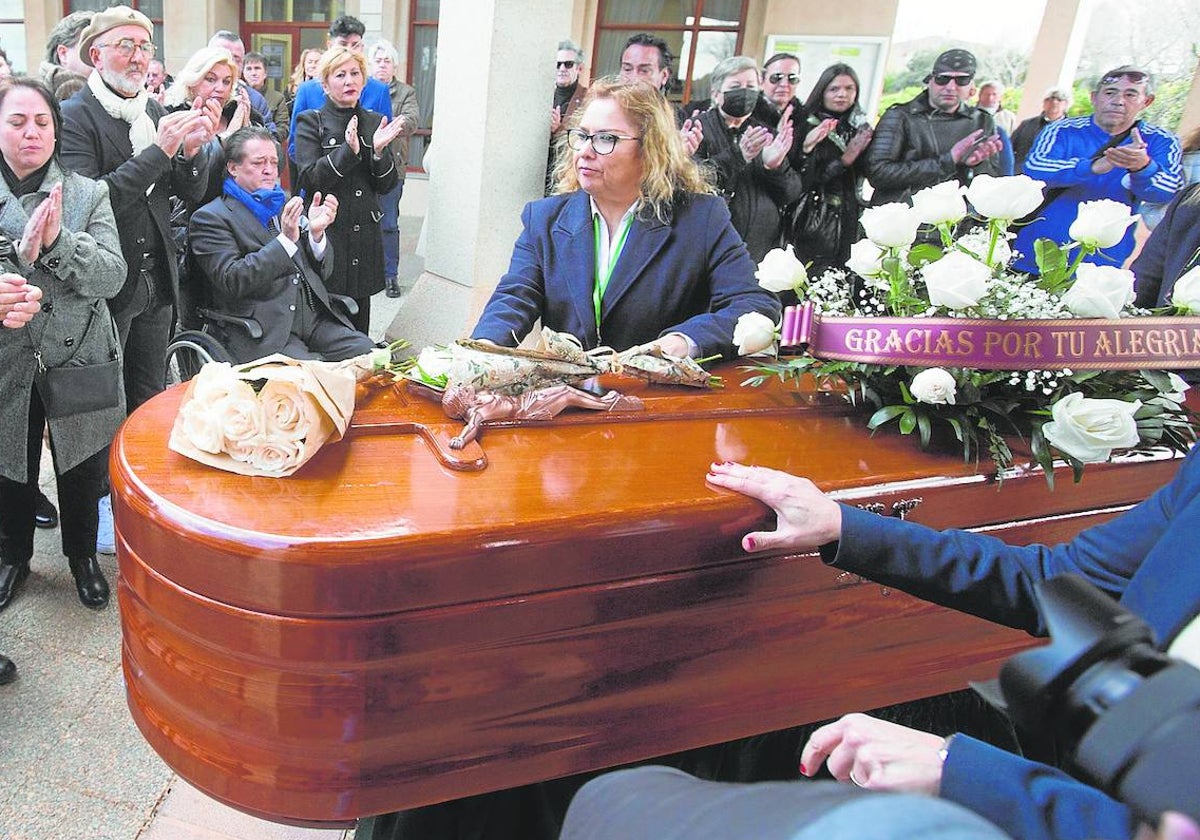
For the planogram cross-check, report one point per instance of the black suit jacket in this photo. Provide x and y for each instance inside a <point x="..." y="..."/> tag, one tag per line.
<point x="97" y="146"/>
<point x="250" y="274"/>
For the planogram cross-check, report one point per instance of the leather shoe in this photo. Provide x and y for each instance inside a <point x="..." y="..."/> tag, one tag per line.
<point x="8" y="670"/>
<point x="392" y="287"/>
<point x="11" y="578"/>
<point x="89" y="582"/>
<point x="45" y="514"/>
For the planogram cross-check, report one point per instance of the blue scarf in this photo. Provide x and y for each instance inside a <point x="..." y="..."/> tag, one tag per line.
<point x="264" y="204"/>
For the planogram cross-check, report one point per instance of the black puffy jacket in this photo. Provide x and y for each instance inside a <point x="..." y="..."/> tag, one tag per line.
<point x="911" y="148"/>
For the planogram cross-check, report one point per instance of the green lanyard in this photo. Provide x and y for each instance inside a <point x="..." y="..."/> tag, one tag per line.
<point x="604" y="272"/>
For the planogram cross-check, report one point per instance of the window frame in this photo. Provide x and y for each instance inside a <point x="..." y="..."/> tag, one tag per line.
<point x="695" y="29"/>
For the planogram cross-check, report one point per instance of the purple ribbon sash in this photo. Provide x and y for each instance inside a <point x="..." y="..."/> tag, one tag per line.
<point x="1166" y="343"/>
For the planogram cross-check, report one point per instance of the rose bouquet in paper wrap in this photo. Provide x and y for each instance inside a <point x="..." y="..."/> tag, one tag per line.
<point x="268" y="417"/>
<point x="915" y="308"/>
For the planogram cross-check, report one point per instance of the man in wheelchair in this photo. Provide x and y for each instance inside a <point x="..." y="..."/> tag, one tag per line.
<point x="263" y="263"/>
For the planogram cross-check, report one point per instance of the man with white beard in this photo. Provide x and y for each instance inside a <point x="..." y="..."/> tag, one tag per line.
<point x="114" y="132"/>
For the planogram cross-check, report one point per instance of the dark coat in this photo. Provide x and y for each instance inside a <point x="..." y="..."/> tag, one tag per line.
<point x="250" y="274"/>
<point x="755" y="194"/>
<point x="830" y="182"/>
<point x="82" y="269"/>
<point x="328" y="166"/>
<point x="1144" y="559"/>
<point x="1023" y="138"/>
<point x="911" y="149"/>
<point x="1172" y="249"/>
<point x="97" y="145"/>
<point x="691" y="276"/>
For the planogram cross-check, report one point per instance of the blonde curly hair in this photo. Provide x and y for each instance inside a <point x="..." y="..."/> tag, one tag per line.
<point x="197" y="67"/>
<point x="667" y="169"/>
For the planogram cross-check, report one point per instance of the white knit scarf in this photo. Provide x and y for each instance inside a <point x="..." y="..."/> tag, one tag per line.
<point x="142" y="132"/>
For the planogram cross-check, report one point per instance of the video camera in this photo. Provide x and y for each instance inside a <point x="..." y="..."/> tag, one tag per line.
<point x="1127" y="714"/>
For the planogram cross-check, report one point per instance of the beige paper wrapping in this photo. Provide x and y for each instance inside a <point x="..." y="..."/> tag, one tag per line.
<point x="215" y="414"/>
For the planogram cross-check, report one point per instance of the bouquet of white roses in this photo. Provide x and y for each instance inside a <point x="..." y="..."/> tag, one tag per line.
<point x="268" y="417"/>
<point x="949" y="335"/>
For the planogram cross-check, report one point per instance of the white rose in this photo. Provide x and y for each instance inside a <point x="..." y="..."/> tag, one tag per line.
<point x="435" y="362"/>
<point x="273" y="455"/>
<point x="1186" y="292"/>
<point x="1089" y="430"/>
<point x="1005" y="198"/>
<point x="202" y="425"/>
<point x="241" y="418"/>
<point x="891" y="225"/>
<point x="1099" y="291"/>
<point x="752" y="333"/>
<point x="866" y="258"/>
<point x="956" y="280"/>
<point x="940" y="203"/>
<point x="380" y="358"/>
<point x="288" y="413"/>
<point x="935" y="386"/>
<point x="217" y="380"/>
<point x="1101" y="224"/>
<point x="780" y="271"/>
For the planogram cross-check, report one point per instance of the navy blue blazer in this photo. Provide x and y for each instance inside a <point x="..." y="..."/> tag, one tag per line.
<point x="692" y="276"/>
<point x="1145" y="558"/>
<point x="1172" y="249"/>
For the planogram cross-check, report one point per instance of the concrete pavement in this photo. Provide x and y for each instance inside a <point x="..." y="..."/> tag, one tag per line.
<point x="72" y="762"/>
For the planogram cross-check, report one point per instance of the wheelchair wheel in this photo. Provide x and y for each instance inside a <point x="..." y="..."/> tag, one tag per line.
<point x="188" y="352"/>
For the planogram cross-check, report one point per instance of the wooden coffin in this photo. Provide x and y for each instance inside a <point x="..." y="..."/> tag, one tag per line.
<point x="383" y="631"/>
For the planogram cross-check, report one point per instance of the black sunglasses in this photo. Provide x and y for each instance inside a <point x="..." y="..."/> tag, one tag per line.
<point x="946" y="78"/>
<point x="567" y="64"/>
<point x="776" y="78"/>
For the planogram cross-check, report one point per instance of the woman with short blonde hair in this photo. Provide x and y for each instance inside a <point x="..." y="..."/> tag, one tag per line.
<point x="201" y="76"/>
<point x="344" y="149"/>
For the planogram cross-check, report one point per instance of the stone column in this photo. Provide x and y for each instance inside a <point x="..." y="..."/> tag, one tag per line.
<point x="1056" y="52"/>
<point x="1191" y="108"/>
<point x="491" y="127"/>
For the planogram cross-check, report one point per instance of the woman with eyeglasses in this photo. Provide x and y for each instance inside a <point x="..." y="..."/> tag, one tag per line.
<point x="343" y="149"/>
<point x="633" y="248"/>
<point x="748" y="156"/>
<point x="824" y="223"/>
<point x="60" y="252"/>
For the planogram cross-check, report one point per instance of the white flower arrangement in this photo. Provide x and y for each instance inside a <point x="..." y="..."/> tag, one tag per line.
<point x="1080" y="415"/>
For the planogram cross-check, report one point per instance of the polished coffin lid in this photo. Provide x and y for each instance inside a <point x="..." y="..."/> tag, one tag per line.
<point x="387" y="629"/>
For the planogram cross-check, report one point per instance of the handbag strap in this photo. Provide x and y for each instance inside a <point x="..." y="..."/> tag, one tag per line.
<point x="37" y="348"/>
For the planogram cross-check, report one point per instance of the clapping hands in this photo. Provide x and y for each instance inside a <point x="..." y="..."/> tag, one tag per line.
<point x="774" y="148"/>
<point x="289" y="218"/>
<point x="818" y="133"/>
<point x="974" y="149"/>
<point x="1131" y="156"/>
<point x="776" y="151"/>
<point x="385" y="134"/>
<point x="43" y="227"/>
<point x="321" y="214"/>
